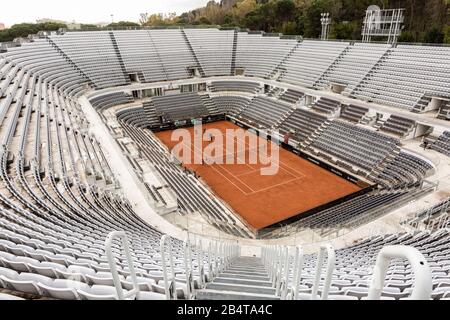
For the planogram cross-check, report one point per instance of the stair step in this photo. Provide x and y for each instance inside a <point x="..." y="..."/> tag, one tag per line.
<point x="247" y="267"/>
<point x="227" y="274"/>
<point x="247" y="272"/>
<point x="209" y="294"/>
<point x="240" y="281"/>
<point x="240" y="288"/>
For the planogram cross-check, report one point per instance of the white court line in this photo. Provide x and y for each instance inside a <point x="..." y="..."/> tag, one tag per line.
<point x="280" y="165"/>
<point x="245" y="193"/>
<point x="302" y="175"/>
<point x="278" y="185"/>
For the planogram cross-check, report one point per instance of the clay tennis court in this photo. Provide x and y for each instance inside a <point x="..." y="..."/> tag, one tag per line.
<point x="262" y="200"/>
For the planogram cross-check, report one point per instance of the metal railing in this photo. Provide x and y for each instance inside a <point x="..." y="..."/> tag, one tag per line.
<point x="170" y="285"/>
<point x="422" y="287"/>
<point x="331" y="259"/>
<point x="276" y="260"/>
<point x="135" y="292"/>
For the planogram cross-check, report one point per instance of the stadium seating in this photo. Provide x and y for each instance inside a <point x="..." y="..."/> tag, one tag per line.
<point x="407" y="77"/>
<point x="60" y="199"/>
<point x="352" y="213"/>
<point x="444" y="111"/>
<point x="110" y="100"/>
<point x="139" y="55"/>
<point x="180" y="106"/>
<point x="398" y="126"/>
<point x="291" y="96"/>
<point x="358" y="146"/>
<point x="243" y="86"/>
<point x="428" y="215"/>
<point x="404" y="171"/>
<point x="325" y="105"/>
<point x="213" y="49"/>
<point x="303" y="123"/>
<point x="355" y="280"/>
<point x="359" y="59"/>
<point x="174" y="52"/>
<point x="231" y="105"/>
<point x="442" y="144"/>
<point x="310" y="60"/>
<point x="266" y="112"/>
<point x="83" y="48"/>
<point x="261" y="54"/>
<point x="353" y="113"/>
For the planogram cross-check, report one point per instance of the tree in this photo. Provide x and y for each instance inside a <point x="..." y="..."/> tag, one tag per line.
<point x="25" y="29"/>
<point x="122" y="24"/>
<point x="406" y="36"/>
<point x="204" y="20"/>
<point x="434" y="36"/>
<point x="159" y="19"/>
<point x="285" y="10"/>
<point x="313" y="25"/>
<point x="228" y="19"/>
<point x="289" y="28"/>
<point x="343" y="30"/>
<point x="242" y="8"/>
<point x="89" y="27"/>
<point x="447" y="34"/>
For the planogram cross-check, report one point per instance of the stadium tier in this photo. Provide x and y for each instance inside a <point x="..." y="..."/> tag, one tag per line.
<point x="94" y="204"/>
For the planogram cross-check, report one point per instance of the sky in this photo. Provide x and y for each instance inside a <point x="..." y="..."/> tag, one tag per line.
<point x="89" y="11"/>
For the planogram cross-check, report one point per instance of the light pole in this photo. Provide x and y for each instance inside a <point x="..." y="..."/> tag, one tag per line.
<point x="325" y="20"/>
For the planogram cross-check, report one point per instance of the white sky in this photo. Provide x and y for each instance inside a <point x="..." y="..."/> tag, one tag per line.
<point x="89" y="11"/>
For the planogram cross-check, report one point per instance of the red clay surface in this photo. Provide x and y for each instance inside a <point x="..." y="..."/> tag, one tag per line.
<point x="261" y="201"/>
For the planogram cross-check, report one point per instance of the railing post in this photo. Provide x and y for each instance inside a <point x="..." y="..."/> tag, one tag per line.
<point x="200" y="264"/>
<point x="209" y="261"/>
<point x="422" y="275"/>
<point x="166" y="240"/>
<point x="188" y="267"/>
<point x="113" y="266"/>
<point x="275" y="265"/>
<point x="279" y="272"/>
<point x="298" y="266"/>
<point x="286" y="275"/>
<point x="329" y="271"/>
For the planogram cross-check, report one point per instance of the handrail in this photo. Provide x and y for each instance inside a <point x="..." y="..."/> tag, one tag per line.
<point x="422" y="275"/>
<point x="113" y="265"/>
<point x="285" y="282"/>
<point x="274" y="264"/>
<point x="165" y="239"/>
<point x="200" y="264"/>
<point x="211" y="261"/>
<point x="329" y="271"/>
<point x="298" y="266"/>
<point x="188" y="268"/>
<point x="279" y="271"/>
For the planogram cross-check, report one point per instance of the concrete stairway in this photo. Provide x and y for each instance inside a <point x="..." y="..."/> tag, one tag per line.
<point x="245" y="279"/>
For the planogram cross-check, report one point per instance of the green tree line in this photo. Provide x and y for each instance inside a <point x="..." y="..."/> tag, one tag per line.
<point x="425" y="20"/>
<point x="25" y="29"/>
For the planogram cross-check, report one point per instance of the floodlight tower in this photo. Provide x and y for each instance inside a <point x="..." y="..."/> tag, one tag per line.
<point x="325" y="20"/>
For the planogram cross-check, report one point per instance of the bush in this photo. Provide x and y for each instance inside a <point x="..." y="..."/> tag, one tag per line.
<point x="447" y="34"/>
<point x="434" y="36"/>
<point x="406" y="36"/>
